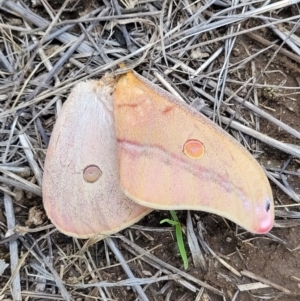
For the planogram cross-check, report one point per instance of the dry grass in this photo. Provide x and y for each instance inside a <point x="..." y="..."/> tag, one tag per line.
<point x="210" y="54"/>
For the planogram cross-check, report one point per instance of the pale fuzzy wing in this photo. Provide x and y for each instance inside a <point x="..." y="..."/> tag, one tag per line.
<point x="81" y="192"/>
<point x="172" y="157"/>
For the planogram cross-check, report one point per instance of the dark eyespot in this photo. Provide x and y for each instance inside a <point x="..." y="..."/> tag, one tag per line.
<point x="92" y="173"/>
<point x="267" y="205"/>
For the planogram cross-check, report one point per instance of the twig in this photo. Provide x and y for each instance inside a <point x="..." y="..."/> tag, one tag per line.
<point x="170" y="267"/>
<point x="13" y="249"/>
<point x="265" y="42"/>
<point x="265" y="281"/>
<point x="125" y="267"/>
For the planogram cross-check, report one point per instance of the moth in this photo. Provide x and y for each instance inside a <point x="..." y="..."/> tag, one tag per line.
<point x="123" y="146"/>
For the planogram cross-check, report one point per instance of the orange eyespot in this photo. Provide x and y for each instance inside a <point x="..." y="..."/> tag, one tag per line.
<point x="194" y="149"/>
<point x="92" y="173"/>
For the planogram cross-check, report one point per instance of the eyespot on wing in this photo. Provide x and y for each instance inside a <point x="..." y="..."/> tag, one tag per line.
<point x="194" y="149"/>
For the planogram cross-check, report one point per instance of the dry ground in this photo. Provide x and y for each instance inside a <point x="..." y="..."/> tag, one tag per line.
<point x="255" y="62"/>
